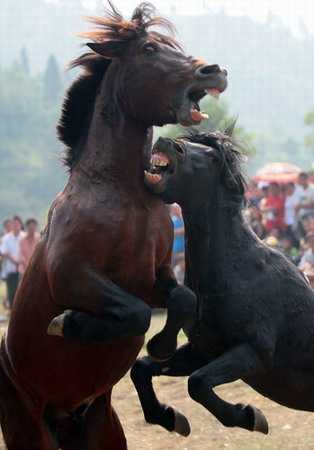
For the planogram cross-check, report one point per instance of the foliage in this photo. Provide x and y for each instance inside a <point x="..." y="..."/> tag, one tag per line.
<point x="24" y="60"/>
<point x="52" y="81"/>
<point x="309" y="138"/>
<point x="261" y="147"/>
<point x="30" y="177"/>
<point x="30" y="174"/>
<point x="220" y="118"/>
<point x="277" y="145"/>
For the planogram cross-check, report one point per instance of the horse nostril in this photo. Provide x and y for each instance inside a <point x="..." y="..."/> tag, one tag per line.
<point x="207" y="70"/>
<point x="224" y="70"/>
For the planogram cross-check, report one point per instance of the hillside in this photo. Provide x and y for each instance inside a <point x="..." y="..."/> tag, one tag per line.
<point x="270" y="71"/>
<point x="270" y="88"/>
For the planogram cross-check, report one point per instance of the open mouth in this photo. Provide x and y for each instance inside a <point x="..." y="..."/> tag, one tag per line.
<point x="159" y="165"/>
<point x="195" y="111"/>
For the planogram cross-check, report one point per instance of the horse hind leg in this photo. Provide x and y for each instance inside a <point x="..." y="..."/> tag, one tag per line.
<point x="183" y="362"/>
<point x="100" y="429"/>
<point x="21" y="428"/>
<point x="230" y="366"/>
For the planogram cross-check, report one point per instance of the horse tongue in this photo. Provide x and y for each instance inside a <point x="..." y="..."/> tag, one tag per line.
<point x="159" y="157"/>
<point x="198" y="115"/>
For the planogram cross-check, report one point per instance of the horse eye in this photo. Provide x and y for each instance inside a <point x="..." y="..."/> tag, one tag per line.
<point x="149" y="48"/>
<point x="180" y="149"/>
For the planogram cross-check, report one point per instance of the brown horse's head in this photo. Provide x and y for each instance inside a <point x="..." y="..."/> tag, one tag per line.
<point x="154" y="80"/>
<point x="141" y="74"/>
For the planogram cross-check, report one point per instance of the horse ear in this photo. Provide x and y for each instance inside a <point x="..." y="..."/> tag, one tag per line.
<point x="230" y="129"/>
<point x="110" y="49"/>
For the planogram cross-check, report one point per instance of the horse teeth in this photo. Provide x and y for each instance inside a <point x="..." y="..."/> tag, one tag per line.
<point x="198" y="115"/>
<point x="159" y="159"/>
<point x="152" y="177"/>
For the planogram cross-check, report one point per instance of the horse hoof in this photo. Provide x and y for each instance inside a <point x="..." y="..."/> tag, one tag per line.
<point x="181" y="424"/>
<point x="158" y="357"/>
<point x="55" y="328"/>
<point x="260" y="422"/>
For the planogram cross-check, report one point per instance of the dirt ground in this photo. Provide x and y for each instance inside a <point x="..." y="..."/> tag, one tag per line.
<point x="289" y="429"/>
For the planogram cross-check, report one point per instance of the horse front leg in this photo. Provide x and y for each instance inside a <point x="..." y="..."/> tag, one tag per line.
<point x="232" y="365"/>
<point x="182" y="363"/>
<point x="180" y="304"/>
<point x="100" y="310"/>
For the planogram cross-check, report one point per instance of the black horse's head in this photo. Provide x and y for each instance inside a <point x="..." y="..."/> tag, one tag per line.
<point x="191" y="169"/>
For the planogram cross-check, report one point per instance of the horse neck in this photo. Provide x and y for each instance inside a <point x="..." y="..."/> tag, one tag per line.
<point x="114" y="151"/>
<point x="216" y="240"/>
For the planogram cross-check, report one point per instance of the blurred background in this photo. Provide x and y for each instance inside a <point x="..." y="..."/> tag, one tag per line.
<point x="267" y="47"/>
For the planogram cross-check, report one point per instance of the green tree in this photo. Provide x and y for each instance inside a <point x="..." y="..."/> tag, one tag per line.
<point x="24" y="60"/>
<point x="30" y="176"/>
<point x="219" y="118"/>
<point x="309" y="139"/>
<point x="52" y="81"/>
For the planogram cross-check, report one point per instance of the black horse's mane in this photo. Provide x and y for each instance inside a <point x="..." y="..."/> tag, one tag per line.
<point x="80" y="97"/>
<point x="231" y="162"/>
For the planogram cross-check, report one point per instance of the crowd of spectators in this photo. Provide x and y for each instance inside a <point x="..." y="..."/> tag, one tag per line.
<point x="17" y="244"/>
<point x="282" y="214"/>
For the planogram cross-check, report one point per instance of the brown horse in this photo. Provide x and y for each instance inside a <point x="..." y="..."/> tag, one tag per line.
<point x="105" y="252"/>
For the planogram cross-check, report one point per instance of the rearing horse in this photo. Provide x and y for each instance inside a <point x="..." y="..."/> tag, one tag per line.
<point x="255" y="309"/>
<point x="105" y="252"/>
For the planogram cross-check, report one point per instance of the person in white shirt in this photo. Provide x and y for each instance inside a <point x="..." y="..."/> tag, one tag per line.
<point x="10" y="248"/>
<point x="304" y="194"/>
<point x="306" y="263"/>
<point x="291" y="201"/>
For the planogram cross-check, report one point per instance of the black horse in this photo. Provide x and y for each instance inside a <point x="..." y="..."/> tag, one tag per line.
<point x="255" y="311"/>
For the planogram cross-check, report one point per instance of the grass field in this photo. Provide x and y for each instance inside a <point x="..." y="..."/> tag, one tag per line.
<point x="289" y="429"/>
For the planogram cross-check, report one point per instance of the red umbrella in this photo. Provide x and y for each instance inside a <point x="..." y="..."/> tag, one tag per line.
<point x="278" y="172"/>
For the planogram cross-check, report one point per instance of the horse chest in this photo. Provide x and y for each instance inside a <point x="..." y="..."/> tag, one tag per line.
<point x="142" y="240"/>
<point x="136" y="259"/>
<point x="204" y="330"/>
<point x="215" y="326"/>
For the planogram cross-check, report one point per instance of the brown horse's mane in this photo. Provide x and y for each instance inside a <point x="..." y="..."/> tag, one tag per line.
<point x="80" y="98"/>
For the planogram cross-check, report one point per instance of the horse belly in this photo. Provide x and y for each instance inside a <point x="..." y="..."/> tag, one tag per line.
<point x="56" y="370"/>
<point x="290" y="387"/>
<point x="66" y="374"/>
<point x="205" y="339"/>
